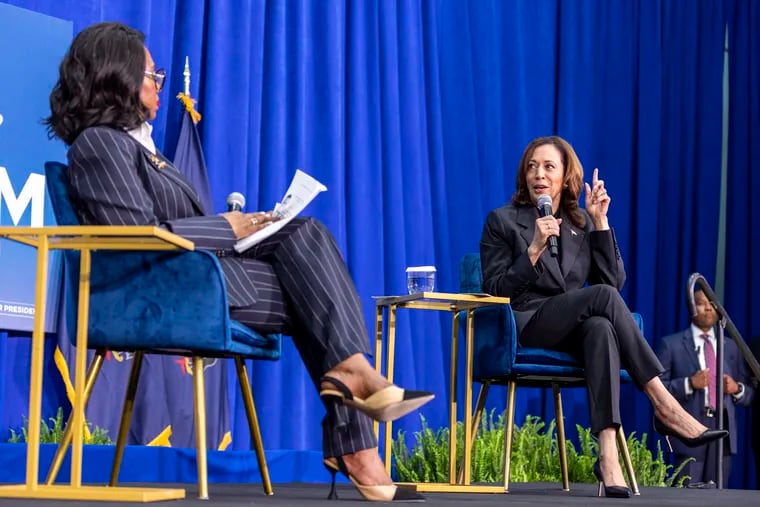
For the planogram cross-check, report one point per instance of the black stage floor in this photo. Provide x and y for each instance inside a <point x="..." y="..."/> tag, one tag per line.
<point x="521" y="495"/>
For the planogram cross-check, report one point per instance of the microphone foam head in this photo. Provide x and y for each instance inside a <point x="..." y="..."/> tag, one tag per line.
<point x="544" y="200"/>
<point x="236" y="198"/>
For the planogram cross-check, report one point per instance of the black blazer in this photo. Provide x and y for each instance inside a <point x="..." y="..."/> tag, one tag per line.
<point x="587" y="256"/>
<point x="114" y="180"/>
<point x="680" y="360"/>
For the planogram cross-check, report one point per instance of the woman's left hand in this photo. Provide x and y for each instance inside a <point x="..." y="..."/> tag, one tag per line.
<point x="597" y="202"/>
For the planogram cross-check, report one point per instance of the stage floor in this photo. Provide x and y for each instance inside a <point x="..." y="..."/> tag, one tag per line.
<point x="522" y="495"/>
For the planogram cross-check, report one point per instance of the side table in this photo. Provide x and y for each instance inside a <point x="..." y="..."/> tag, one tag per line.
<point x="453" y="303"/>
<point x="85" y="239"/>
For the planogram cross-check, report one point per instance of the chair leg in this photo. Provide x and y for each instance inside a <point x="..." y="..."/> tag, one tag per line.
<point x="623" y="446"/>
<point x="199" y="390"/>
<point x="253" y="423"/>
<point x="561" y="438"/>
<point x="509" y="426"/>
<point x="126" y="416"/>
<point x="479" y="406"/>
<point x="92" y="373"/>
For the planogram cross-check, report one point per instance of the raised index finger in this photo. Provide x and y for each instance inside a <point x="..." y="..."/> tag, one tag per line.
<point x="595" y="177"/>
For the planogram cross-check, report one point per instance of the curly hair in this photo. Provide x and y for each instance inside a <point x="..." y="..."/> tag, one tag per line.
<point x="99" y="82"/>
<point x="572" y="184"/>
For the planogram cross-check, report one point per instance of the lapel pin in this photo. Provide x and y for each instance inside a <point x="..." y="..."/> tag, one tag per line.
<point x="157" y="162"/>
<point x="572" y="231"/>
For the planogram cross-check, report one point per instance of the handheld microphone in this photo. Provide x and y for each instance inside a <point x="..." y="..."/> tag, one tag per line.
<point x="545" y="209"/>
<point x="235" y="201"/>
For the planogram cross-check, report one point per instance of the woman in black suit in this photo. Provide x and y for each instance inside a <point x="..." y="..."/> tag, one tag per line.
<point x="294" y="282"/>
<point x="555" y="309"/>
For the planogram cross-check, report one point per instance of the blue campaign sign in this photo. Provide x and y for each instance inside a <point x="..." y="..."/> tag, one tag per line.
<point x="32" y="47"/>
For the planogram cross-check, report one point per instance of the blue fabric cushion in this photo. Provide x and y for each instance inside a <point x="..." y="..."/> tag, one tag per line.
<point x="470" y="276"/>
<point x="544" y="356"/>
<point x="261" y="346"/>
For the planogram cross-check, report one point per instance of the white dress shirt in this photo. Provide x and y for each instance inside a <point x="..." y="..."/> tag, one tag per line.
<point x="699" y="345"/>
<point x="143" y="135"/>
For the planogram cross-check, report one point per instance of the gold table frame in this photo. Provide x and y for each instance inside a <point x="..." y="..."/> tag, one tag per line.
<point x="85" y="239"/>
<point x="454" y="303"/>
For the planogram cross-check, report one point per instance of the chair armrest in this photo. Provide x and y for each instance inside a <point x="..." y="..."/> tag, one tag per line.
<point x="144" y="300"/>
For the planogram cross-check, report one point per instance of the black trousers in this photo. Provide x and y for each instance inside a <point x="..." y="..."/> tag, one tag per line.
<point x="595" y="326"/>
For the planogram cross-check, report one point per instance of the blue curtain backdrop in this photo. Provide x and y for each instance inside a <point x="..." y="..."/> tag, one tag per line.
<point x="743" y="229"/>
<point x="415" y="114"/>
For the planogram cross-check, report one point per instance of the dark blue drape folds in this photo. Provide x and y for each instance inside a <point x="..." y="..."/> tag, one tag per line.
<point x="415" y="114"/>
<point x="743" y="225"/>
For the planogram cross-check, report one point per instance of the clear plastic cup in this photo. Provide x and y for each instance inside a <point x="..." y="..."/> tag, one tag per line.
<point x="420" y="279"/>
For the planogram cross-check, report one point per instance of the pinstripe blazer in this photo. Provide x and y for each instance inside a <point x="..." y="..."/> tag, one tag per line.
<point x="114" y="180"/>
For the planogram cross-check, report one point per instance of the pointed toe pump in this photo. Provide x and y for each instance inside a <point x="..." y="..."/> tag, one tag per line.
<point x="705" y="437"/>
<point x="609" y="491"/>
<point x="387" y="404"/>
<point x="378" y="493"/>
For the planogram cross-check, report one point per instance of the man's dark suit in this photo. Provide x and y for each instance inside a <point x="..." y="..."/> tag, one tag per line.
<point x="679" y="357"/>
<point x="554" y="310"/>
<point x="293" y="282"/>
<point x="755" y="346"/>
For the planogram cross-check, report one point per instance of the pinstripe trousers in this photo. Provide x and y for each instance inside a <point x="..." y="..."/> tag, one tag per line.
<point x="304" y="290"/>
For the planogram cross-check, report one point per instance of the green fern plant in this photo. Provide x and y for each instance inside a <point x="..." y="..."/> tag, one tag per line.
<point x="535" y="455"/>
<point x="52" y="434"/>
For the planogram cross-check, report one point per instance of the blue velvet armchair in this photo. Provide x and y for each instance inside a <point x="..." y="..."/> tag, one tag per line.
<point x="159" y="302"/>
<point x="498" y="359"/>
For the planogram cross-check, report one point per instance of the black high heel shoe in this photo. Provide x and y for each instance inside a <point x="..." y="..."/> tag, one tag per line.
<point x="387" y="404"/>
<point x="386" y="493"/>
<point x="706" y="437"/>
<point x="609" y="491"/>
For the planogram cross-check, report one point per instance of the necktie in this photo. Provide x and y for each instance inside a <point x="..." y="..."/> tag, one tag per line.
<point x="710" y="363"/>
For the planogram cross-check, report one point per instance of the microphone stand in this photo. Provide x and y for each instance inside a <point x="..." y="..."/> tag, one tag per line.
<point x="724" y="322"/>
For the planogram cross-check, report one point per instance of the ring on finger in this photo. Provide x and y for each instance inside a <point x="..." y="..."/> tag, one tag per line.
<point x="254" y="221"/>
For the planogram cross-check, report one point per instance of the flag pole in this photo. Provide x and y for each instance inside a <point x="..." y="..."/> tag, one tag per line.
<point x="186" y="73"/>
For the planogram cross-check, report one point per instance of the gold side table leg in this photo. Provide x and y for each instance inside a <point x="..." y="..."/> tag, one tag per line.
<point x="391" y="360"/>
<point x="37" y="358"/>
<point x="77" y="420"/>
<point x="378" y="353"/>
<point x="453" y="398"/>
<point x="479" y="406"/>
<point x="469" y="431"/>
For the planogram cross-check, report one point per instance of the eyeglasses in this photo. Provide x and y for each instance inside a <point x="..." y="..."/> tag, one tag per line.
<point x="158" y="77"/>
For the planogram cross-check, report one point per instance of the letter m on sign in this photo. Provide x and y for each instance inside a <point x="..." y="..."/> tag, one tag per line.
<point x="32" y="195"/>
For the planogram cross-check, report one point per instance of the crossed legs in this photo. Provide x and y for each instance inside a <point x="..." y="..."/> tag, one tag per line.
<point x="596" y="326"/>
<point x="305" y="290"/>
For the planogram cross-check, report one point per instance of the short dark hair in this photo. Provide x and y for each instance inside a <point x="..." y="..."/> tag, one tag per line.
<point x="99" y="82"/>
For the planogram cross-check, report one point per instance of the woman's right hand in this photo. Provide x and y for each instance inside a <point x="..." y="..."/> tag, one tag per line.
<point x="545" y="228"/>
<point x="245" y="224"/>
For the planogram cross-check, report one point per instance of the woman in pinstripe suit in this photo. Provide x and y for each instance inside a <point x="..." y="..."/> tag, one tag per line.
<point x="294" y="282"/>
